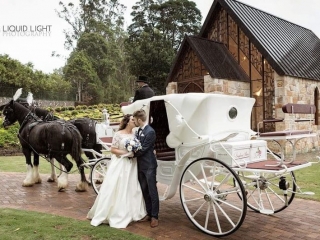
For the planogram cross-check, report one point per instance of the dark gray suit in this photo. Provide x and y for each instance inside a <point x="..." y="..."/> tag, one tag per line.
<point x="147" y="170"/>
<point x="143" y="93"/>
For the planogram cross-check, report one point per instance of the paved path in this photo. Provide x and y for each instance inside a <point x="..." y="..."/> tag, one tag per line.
<point x="301" y="220"/>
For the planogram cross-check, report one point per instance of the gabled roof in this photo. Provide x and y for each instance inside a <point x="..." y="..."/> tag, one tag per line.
<point x="214" y="56"/>
<point x="290" y="49"/>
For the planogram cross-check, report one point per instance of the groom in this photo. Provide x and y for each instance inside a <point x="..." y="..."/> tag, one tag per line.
<point x="147" y="167"/>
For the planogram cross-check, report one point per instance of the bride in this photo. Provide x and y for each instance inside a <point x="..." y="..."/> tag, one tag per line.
<point x="120" y="199"/>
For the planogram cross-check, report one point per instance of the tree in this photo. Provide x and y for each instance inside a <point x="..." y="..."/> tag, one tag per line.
<point x="100" y="16"/>
<point x="155" y="36"/>
<point x="14" y="74"/>
<point x="97" y="29"/>
<point x="80" y="72"/>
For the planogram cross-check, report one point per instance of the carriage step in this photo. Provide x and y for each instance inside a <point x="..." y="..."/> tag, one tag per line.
<point x="306" y="193"/>
<point x="266" y="211"/>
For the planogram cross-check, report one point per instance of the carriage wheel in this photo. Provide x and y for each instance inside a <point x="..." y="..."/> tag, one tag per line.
<point x="266" y="191"/>
<point x="98" y="172"/>
<point x="210" y="199"/>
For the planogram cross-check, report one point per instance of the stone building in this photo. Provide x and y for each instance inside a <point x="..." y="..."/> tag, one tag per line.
<point x="247" y="52"/>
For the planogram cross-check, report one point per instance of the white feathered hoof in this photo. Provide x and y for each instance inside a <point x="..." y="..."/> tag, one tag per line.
<point x="36" y="175"/>
<point x="50" y="179"/>
<point x="29" y="180"/>
<point x="27" y="184"/>
<point x="63" y="181"/>
<point x="82" y="187"/>
<point x="38" y="180"/>
<point x="61" y="190"/>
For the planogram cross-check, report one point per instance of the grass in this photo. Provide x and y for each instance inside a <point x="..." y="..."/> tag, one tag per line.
<point x="16" y="224"/>
<point x="28" y="225"/>
<point x="308" y="179"/>
<point x="18" y="164"/>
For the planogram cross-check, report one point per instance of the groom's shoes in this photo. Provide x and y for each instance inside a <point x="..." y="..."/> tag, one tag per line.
<point x="145" y="219"/>
<point x="154" y="222"/>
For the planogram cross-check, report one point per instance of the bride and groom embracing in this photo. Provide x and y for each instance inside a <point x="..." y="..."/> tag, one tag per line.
<point x="129" y="190"/>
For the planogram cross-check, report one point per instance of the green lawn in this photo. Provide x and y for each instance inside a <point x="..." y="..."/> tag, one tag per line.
<point x="28" y="225"/>
<point x="18" y="164"/>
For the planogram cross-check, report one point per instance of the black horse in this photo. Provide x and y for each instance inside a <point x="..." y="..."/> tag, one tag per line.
<point x="55" y="139"/>
<point x="86" y="127"/>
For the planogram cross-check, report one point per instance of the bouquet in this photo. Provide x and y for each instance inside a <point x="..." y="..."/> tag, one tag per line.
<point x="133" y="145"/>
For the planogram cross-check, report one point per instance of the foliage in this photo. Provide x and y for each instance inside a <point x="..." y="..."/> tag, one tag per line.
<point x="80" y="72"/>
<point x="15" y="74"/>
<point x="97" y="29"/>
<point x="16" y="225"/>
<point x="155" y="36"/>
<point x="97" y="16"/>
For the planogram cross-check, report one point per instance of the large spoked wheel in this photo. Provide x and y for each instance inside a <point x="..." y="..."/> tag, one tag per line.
<point x="98" y="172"/>
<point x="210" y="199"/>
<point x="268" y="193"/>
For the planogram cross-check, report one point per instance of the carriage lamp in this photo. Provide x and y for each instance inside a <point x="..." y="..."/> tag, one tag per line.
<point x="105" y="116"/>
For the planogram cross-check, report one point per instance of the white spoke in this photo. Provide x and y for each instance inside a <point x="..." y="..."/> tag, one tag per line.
<point x="216" y="216"/>
<point x="226" y="215"/>
<point x="197" y="180"/>
<point x="196" y="190"/>
<point x="193" y="199"/>
<point x="197" y="211"/>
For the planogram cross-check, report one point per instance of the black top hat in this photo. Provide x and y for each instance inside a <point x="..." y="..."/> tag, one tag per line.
<point x="142" y="79"/>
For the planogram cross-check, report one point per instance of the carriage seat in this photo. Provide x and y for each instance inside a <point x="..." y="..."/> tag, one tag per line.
<point x="166" y="156"/>
<point x="295" y="110"/>
<point x="164" y="153"/>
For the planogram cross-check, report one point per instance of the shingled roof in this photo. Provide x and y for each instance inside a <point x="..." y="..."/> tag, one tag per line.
<point x="290" y="49"/>
<point x="217" y="59"/>
<point x="214" y="56"/>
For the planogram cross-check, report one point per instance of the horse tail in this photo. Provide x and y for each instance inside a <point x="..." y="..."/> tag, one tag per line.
<point x="76" y="143"/>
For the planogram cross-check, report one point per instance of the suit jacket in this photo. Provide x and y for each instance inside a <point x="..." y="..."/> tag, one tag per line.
<point x="145" y="157"/>
<point x="143" y="93"/>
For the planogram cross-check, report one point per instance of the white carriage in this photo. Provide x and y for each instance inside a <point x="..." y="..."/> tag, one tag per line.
<point x="205" y="146"/>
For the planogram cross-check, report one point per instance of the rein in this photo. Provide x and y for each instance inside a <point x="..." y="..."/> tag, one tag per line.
<point x="25" y="120"/>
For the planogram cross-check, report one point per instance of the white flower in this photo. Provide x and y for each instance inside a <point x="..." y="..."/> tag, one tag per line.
<point x="129" y="148"/>
<point x="132" y="143"/>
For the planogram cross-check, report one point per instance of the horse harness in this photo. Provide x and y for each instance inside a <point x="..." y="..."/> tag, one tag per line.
<point x="88" y="134"/>
<point x="31" y="116"/>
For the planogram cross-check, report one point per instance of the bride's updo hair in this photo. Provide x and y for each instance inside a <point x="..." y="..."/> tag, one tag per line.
<point x="124" y="122"/>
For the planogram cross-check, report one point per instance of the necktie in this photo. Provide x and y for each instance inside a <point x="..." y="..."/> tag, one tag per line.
<point x="139" y="132"/>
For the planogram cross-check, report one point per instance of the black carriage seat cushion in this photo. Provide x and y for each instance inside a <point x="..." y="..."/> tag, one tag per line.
<point x="159" y="122"/>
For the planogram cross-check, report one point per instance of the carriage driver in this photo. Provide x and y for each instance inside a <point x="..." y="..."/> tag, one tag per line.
<point x="144" y="90"/>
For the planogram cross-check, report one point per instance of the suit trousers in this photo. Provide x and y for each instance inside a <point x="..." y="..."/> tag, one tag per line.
<point x="148" y="183"/>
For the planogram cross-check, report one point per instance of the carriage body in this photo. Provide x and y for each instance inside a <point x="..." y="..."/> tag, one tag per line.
<point x="205" y="146"/>
<point x="196" y="125"/>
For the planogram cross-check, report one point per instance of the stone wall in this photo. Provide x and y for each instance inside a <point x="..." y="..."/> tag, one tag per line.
<point x="172" y="88"/>
<point x="296" y="90"/>
<point x="229" y="87"/>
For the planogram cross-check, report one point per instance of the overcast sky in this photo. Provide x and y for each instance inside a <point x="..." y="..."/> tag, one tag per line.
<point x="39" y="15"/>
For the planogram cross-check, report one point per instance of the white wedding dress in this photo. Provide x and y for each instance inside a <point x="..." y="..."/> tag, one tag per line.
<point x="120" y="199"/>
